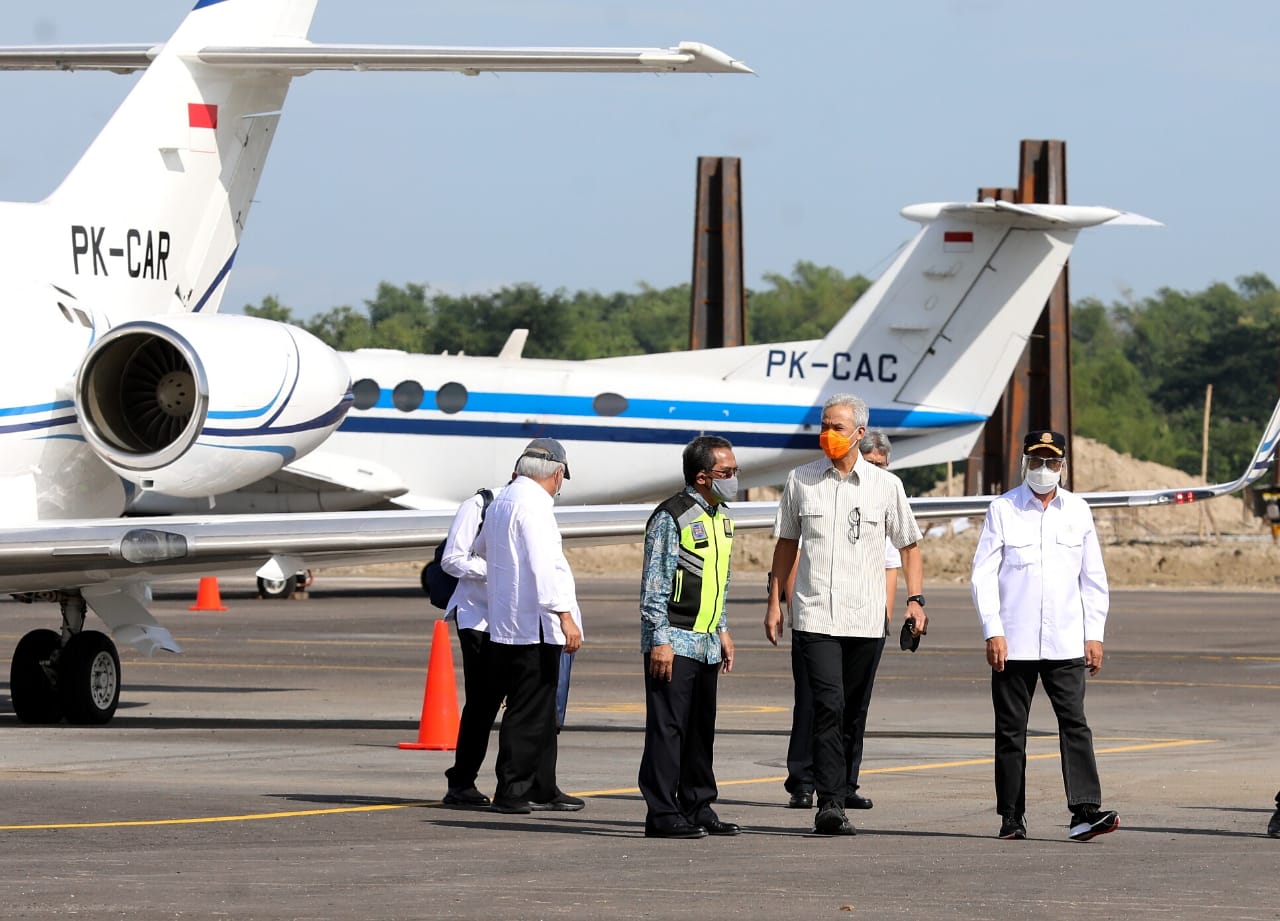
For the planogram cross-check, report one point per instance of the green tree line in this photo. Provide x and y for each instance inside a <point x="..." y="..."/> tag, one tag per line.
<point x="1140" y="369"/>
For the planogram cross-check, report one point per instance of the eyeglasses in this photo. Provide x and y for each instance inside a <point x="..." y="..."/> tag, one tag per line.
<point x="855" y="525"/>
<point x="883" y="465"/>
<point x="1035" y="463"/>
<point x="724" y="474"/>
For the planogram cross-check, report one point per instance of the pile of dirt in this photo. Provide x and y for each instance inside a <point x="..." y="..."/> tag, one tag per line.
<point x="1219" y="543"/>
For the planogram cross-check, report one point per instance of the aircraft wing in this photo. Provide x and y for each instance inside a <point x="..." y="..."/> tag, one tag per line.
<point x="967" y="506"/>
<point x="61" y="555"/>
<point x="304" y="57"/>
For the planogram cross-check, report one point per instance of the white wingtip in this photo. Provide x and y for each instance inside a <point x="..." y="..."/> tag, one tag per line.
<point x="710" y="59"/>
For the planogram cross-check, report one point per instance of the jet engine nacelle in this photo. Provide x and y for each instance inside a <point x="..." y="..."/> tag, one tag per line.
<point x="194" y="405"/>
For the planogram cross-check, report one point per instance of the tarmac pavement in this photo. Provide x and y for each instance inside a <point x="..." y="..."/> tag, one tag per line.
<point x="258" y="776"/>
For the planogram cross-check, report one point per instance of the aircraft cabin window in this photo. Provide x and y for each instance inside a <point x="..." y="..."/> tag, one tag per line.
<point x="366" y="393"/>
<point x="610" y="404"/>
<point x="451" y="397"/>
<point x="407" y="396"/>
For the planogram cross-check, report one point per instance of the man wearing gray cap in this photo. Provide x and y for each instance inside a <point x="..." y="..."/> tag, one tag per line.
<point x="532" y="601"/>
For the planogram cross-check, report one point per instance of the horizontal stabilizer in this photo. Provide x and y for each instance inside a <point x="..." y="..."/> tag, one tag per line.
<point x="303" y="57"/>
<point x="1027" y="217"/>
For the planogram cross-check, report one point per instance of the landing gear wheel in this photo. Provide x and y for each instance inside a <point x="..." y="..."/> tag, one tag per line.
<point x="89" y="679"/>
<point x="31" y="688"/>
<point x="276" y="589"/>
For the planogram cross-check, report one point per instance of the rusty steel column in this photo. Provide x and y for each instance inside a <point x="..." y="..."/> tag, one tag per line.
<point x="1045" y="368"/>
<point x="1038" y="394"/>
<point x="717" y="314"/>
<point x="984" y="472"/>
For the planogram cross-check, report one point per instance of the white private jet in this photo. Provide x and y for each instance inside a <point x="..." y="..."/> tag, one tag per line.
<point x="930" y="346"/>
<point x="120" y="376"/>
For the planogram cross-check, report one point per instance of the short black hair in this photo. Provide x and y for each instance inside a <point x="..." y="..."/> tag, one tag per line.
<point x="699" y="455"/>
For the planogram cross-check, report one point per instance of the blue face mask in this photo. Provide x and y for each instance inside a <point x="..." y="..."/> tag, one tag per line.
<point x="726" y="489"/>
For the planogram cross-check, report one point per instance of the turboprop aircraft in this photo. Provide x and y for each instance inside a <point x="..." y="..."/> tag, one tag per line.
<point x="120" y="376"/>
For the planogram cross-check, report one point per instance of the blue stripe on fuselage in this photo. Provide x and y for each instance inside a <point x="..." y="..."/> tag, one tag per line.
<point x="685" y="410"/>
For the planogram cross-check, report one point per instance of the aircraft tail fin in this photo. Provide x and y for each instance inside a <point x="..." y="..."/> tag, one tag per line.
<point x="160" y="198"/>
<point x="942" y="328"/>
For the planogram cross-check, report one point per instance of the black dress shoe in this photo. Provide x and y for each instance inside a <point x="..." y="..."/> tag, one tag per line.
<point x="831" y="820"/>
<point x="465" y="796"/>
<point x="854" y="801"/>
<point x="561" y="802"/>
<point x="512" y="806"/>
<point x="714" y="826"/>
<point x="676" y="830"/>
<point x="801" y="800"/>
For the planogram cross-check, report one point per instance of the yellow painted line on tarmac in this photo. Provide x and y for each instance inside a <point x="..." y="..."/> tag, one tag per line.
<point x="617" y="791"/>
<point x="210" y="820"/>
<point x="933" y="766"/>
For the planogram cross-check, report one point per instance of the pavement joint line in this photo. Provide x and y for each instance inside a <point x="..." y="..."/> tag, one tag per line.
<point x="388" y="807"/>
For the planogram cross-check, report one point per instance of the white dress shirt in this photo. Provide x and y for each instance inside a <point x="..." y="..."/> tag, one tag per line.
<point x="469" y="603"/>
<point x="1038" y="578"/>
<point x="528" y="579"/>
<point x="840" y="582"/>
<point x="892" y="557"/>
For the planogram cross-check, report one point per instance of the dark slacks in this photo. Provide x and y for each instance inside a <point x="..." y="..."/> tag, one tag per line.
<point x="479" y="710"/>
<point x="1011" y="692"/>
<point x="527" y="677"/>
<point x="841" y="671"/>
<point x="800" y="746"/>
<point x="677" y="778"/>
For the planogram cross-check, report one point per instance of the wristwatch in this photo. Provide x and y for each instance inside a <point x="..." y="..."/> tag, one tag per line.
<point x="918" y="599"/>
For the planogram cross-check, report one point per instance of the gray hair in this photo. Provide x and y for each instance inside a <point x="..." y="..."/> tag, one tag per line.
<point x="536" y="468"/>
<point x="875" y="440"/>
<point x="856" y="404"/>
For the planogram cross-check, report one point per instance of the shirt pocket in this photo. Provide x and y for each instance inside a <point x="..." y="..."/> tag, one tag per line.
<point x="811" y="521"/>
<point x="1021" y="548"/>
<point x="872" y="522"/>
<point x="1070" y="546"/>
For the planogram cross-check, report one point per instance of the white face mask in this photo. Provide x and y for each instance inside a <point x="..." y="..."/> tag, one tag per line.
<point x="1042" y="480"/>
<point x="726" y="489"/>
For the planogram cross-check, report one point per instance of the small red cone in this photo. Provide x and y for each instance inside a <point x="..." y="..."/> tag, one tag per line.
<point x="207" y="596"/>
<point x="438" y="727"/>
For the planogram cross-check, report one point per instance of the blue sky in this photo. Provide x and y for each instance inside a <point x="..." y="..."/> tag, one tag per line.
<point x="587" y="182"/>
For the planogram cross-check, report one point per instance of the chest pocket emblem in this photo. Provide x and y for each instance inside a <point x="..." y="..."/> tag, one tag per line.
<point x="728" y="527"/>
<point x="698" y="531"/>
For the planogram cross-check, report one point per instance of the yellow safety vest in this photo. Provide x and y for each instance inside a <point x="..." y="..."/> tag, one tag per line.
<point x="702" y="563"/>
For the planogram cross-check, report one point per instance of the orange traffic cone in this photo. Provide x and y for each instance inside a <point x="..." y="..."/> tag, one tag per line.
<point x="207" y="596"/>
<point x="438" y="728"/>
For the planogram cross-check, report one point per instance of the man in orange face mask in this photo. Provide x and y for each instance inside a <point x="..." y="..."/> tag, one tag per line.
<point x="844" y="507"/>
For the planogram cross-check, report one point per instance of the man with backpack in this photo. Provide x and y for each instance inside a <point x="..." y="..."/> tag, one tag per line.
<point x="468" y="607"/>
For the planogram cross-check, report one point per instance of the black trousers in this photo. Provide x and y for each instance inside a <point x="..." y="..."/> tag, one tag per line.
<point x="677" y="778"/>
<point x="1011" y="692"/>
<point x="800" y="747"/>
<point x="527" y="677"/>
<point x="479" y="710"/>
<point x="841" y="671"/>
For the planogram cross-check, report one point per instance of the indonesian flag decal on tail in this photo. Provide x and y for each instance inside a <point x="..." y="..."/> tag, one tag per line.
<point x="957" y="241"/>
<point x="203" y="121"/>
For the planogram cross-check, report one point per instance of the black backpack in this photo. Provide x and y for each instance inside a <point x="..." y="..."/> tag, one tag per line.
<point x="437" y="583"/>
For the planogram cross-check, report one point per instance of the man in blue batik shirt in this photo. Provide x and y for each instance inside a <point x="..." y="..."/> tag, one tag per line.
<point x="685" y="641"/>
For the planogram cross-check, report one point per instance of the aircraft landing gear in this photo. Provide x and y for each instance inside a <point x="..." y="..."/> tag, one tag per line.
<point x="32" y="678"/>
<point x="78" y="678"/>
<point x="277" y="589"/>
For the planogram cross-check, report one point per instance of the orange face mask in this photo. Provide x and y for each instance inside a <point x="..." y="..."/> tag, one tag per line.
<point x="834" y="444"/>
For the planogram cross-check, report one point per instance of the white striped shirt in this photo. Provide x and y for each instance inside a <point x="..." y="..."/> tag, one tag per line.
<point x="840" y="584"/>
